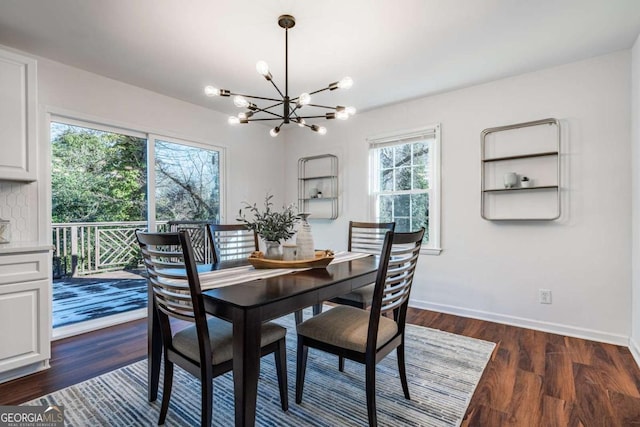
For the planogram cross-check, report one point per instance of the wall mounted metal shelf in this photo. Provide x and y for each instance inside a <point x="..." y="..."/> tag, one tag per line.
<point x="529" y="149"/>
<point x="318" y="186"/>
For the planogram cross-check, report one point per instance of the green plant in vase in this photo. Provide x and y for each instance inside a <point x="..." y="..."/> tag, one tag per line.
<point x="271" y="225"/>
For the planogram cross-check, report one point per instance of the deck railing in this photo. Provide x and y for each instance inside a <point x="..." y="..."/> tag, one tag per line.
<point x="89" y="247"/>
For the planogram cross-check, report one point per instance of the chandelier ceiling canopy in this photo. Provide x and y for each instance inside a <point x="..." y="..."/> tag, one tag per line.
<point x="290" y="108"/>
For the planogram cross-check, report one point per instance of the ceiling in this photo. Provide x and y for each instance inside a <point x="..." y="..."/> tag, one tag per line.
<point x="394" y="50"/>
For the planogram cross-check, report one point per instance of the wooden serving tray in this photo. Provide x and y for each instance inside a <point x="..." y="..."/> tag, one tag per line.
<point x="322" y="259"/>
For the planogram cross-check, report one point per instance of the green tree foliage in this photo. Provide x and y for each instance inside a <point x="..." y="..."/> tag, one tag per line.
<point x="97" y="176"/>
<point x="102" y="176"/>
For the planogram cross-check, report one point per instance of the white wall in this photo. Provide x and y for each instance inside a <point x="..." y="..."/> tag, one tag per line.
<point x="493" y="270"/>
<point x="635" y="197"/>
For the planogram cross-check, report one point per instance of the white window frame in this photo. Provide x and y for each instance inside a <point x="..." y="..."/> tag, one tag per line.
<point x="403" y="137"/>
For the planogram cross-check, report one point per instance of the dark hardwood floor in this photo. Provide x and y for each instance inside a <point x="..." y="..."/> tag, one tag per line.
<point x="533" y="378"/>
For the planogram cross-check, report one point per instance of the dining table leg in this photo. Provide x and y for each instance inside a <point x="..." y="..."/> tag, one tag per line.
<point x="246" y="364"/>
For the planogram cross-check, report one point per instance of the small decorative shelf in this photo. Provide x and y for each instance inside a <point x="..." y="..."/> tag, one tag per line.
<point x="529" y="149"/>
<point x="318" y="186"/>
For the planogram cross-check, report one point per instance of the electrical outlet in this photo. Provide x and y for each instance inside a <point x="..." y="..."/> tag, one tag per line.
<point x="544" y="296"/>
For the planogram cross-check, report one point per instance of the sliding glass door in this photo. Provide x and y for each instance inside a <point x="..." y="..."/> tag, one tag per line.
<point x="107" y="183"/>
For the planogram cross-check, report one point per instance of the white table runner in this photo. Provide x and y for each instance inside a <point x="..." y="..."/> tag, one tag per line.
<point x="247" y="273"/>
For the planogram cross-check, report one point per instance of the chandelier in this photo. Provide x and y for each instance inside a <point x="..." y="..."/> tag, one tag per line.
<point x="291" y="107"/>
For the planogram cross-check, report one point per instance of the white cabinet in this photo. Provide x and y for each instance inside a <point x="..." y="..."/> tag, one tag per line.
<point x="18" y="105"/>
<point x="25" y="314"/>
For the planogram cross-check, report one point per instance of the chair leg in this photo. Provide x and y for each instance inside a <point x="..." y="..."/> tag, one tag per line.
<point x="207" y="400"/>
<point x="166" y="390"/>
<point x="298" y="317"/>
<point x="281" y="368"/>
<point x="371" y="392"/>
<point x="341" y="363"/>
<point x="302" y="353"/>
<point x="403" y="371"/>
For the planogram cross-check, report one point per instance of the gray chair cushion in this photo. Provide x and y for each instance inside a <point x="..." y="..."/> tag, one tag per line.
<point x="363" y="295"/>
<point x="221" y="338"/>
<point x="346" y="327"/>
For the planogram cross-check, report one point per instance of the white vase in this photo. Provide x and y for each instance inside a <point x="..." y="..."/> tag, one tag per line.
<point x="273" y="250"/>
<point x="510" y="179"/>
<point x="304" y="239"/>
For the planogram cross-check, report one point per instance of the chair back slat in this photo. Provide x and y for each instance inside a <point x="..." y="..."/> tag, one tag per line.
<point x="399" y="277"/>
<point x="168" y="266"/>
<point x="368" y="237"/>
<point x="231" y="241"/>
<point x="398" y="260"/>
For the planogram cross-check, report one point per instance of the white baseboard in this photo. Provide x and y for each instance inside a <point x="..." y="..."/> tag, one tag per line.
<point x="92" y="325"/>
<point x="24" y="370"/>
<point x="554" y="328"/>
<point x="634" y="347"/>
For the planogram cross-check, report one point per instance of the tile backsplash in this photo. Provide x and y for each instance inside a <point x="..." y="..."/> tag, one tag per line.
<point x="19" y="204"/>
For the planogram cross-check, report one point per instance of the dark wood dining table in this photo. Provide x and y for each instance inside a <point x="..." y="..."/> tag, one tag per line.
<point x="247" y="305"/>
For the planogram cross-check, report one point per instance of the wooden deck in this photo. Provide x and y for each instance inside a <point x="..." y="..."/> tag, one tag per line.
<point x="78" y="299"/>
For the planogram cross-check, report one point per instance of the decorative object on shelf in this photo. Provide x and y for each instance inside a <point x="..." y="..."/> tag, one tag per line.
<point x="525" y="182"/>
<point x="320" y="260"/>
<point x="272" y="226"/>
<point x="510" y="180"/>
<point x="318" y="186"/>
<point x="289" y="252"/>
<point x="5" y="231"/>
<point x="290" y="106"/>
<point x="304" y="238"/>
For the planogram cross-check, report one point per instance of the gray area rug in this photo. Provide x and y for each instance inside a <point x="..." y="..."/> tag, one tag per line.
<point x="443" y="371"/>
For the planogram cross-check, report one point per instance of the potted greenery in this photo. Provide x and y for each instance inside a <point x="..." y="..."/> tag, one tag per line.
<point x="271" y="225"/>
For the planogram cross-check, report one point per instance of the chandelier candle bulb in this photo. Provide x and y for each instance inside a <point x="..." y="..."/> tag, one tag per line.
<point x="289" y="105"/>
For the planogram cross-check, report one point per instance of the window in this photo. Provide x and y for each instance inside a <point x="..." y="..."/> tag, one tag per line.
<point x="405" y="182"/>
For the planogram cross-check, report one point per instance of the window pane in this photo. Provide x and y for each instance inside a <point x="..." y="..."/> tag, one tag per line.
<point x="386" y="180"/>
<point x="187" y="183"/>
<point x="403" y="179"/>
<point x="421" y="153"/>
<point x="420" y="178"/>
<point x="403" y="155"/>
<point x="386" y="157"/>
<point x="419" y="210"/>
<point x="385" y="208"/>
<point x="401" y="205"/>
<point x="402" y="225"/>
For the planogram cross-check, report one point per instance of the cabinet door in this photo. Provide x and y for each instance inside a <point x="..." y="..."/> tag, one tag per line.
<point x="23" y="324"/>
<point x="17" y="117"/>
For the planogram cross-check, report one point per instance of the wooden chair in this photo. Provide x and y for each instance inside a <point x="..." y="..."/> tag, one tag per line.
<point x="204" y="349"/>
<point x="366" y="237"/>
<point x="231" y="241"/>
<point x="367" y="336"/>
<point x="236" y="241"/>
